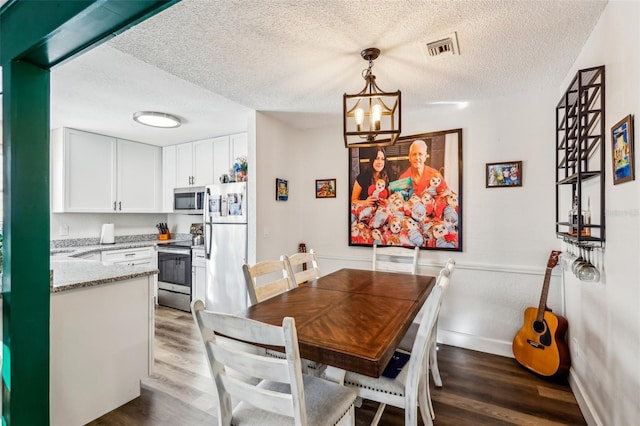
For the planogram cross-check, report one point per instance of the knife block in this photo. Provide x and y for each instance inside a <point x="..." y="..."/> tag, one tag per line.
<point x="166" y="236"/>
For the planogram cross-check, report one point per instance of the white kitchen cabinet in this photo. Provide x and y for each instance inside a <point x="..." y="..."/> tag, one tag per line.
<point x="134" y="256"/>
<point x="198" y="278"/>
<point x="225" y="151"/>
<point x="194" y="163"/>
<point x="130" y="256"/>
<point x="139" y="178"/>
<point x="93" y="173"/>
<point x="239" y="144"/>
<point x="169" y="177"/>
<point x="221" y="157"/>
<point x="83" y="172"/>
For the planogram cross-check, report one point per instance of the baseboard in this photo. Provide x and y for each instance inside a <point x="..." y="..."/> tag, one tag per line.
<point x="476" y="343"/>
<point x="584" y="402"/>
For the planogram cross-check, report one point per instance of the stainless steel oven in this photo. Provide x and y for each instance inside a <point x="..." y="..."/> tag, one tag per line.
<point x="174" y="278"/>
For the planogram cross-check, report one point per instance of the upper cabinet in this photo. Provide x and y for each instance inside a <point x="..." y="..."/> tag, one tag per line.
<point x="239" y="146"/>
<point x="169" y="177"/>
<point x="198" y="163"/>
<point x="139" y="177"/>
<point x="94" y="173"/>
<point x="226" y="150"/>
<point x="194" y="163"/>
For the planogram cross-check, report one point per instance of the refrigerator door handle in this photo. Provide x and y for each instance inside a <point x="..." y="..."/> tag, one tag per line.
<point x="207" y="225"/>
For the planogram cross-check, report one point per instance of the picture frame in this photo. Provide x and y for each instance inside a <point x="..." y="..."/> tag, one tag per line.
<point x="325" y="188"/>
<point x="401" y="212"/>
<point x="282" y="190"/>
<point x="505" y="174"/>
<point x="622" y="150"/>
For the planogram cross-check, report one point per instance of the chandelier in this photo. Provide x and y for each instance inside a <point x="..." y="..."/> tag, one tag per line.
<point x="371" y="117"/>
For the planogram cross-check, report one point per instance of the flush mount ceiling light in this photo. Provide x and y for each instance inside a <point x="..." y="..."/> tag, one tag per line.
<point x="156" y="119"/>
<point x="371" y="117"/>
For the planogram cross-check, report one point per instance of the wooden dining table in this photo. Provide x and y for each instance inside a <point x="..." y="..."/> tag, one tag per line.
<point x="351" y="319"/>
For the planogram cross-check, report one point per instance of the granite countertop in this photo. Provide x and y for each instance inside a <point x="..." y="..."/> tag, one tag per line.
<point x="70" y="273"/>
<point x="79" y="251"/>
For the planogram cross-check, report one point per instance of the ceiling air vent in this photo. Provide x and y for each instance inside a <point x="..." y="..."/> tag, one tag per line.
<point x="447" y="45"/>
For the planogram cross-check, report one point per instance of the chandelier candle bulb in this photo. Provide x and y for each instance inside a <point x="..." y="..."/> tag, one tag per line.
<point x="376" y="116"/>
<point x="359" y="118"/>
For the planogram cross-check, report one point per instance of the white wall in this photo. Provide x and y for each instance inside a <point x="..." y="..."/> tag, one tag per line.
<point x="604" y="318"/>
<point x="508" y="232"/>
<point x="275" y="220"/>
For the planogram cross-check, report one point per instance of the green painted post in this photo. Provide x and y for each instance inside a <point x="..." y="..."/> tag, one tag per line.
<point x="34" y="36"/>
<point x="25" y="369"/>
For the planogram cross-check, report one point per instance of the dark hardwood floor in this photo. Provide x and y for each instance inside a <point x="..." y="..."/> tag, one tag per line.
<point x="479" y="389"/>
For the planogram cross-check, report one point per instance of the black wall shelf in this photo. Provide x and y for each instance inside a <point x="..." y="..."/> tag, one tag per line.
<point x="580" y="156"/>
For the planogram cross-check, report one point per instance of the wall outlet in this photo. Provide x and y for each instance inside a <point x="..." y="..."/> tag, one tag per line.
<point x="64" y="230"/>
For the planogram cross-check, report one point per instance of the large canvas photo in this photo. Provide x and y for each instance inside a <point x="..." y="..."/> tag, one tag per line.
<point x="408" y="194"/>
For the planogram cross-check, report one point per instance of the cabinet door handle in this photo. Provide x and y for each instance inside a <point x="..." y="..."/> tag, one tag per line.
<point x="120" y="205"/>
<point x="114" y="206"/>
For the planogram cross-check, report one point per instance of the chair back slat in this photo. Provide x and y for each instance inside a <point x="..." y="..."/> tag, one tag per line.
<point x="251" y="365"/>
<point x="275" y="402"/>
<point x="304" y="266"/>
<point x="396" y="259"/>
<point x="267" y="278"/>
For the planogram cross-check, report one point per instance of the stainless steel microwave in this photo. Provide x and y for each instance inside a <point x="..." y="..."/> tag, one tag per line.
<point x="189" y="200"/>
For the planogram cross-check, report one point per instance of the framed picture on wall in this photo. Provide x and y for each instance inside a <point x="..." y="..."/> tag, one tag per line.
<point x="408" y="194"/>
<point x="503" y="175"/>
<point x="622" y="150"/>
<point x="325" y="188"/>
<point x="282" y="190"/>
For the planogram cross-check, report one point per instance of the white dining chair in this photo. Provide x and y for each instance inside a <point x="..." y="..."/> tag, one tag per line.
<point x="409" y="390"/>
<point x="304" y="266"/>
<point x="268" y="278"/>
<point x="281" y="394"/>
<point x="408" y="340"/>
<point x="396" y="259"/>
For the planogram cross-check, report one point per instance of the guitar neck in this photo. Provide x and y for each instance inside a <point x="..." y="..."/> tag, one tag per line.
<point x="543" y="297"/>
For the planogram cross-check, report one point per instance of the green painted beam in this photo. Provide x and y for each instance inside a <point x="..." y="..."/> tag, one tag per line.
<point x="34" y="36"/>
<point x="62" y="29"/>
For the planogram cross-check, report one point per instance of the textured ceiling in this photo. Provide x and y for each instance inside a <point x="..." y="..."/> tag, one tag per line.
<point x="294" y="57"/>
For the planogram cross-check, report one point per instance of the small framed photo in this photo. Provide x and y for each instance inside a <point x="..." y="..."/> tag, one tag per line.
<point x="325" y="188"/>
<point x="282" y="190"/>
<point x="504" y="174"/>
<point x="622" y="150"/>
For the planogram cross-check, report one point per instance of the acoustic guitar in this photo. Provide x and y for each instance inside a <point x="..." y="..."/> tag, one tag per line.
<point x="540" y="344"/>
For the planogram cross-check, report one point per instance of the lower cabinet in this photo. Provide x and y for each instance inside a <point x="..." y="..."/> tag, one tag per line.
<point x="198" y="278"/>
<point x="134" y="256"/>
<point x="130" y="256"/>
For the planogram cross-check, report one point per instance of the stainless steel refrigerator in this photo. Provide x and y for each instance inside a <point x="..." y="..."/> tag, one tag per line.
<point x="225" y="243"/>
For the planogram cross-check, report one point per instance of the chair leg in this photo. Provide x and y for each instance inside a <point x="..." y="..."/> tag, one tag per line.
<point x="378" y="414"/>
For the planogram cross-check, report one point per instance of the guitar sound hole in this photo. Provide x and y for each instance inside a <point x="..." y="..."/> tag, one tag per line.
<point x="538" y="326"/>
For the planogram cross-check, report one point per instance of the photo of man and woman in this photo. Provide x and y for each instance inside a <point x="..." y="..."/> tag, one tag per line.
<point x="408" y="194"/>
